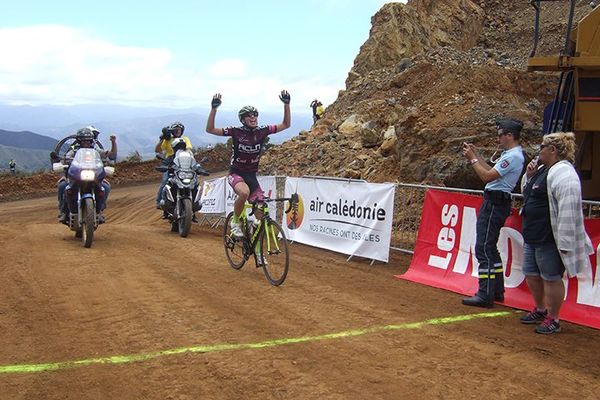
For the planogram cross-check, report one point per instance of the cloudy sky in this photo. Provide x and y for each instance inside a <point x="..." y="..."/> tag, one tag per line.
<point x="178" y="53"/>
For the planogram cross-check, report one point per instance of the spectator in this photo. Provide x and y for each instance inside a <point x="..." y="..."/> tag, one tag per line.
<point x="314" y="104"/>
<point x="320" y="110"/>
<point x="552" y="197"/>
<point x="12" y="165"/>
<point x="500" y="181"/>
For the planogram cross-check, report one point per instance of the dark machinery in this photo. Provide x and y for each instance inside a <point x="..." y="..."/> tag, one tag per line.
<point x="576" y="106"/>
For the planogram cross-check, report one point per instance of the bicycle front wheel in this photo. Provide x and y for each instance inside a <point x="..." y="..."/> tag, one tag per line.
<point x="274" y="251"/>
<point x="234" y="247"/>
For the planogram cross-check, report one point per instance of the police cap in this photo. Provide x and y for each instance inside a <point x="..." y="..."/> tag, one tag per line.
<point x="510" y="125"/>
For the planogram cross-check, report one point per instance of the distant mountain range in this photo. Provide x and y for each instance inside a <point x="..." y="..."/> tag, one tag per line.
<point x="29" y="150"/>
<point x="26" y="140"/>
<point x="136" y="128"/>
<point x="26" y="159"/>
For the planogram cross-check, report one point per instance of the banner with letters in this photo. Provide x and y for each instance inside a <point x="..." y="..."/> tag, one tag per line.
<point x="267" y="184"/>
<point x="348" y="217"/>
<point x="445" y="257"/>
<point x="213" y="196"/>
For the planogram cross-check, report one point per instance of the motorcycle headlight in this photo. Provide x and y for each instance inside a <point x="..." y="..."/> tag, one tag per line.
<point x="185" y="176"/>
<point x="87" y="175"/>
<point x="186" y="180"/>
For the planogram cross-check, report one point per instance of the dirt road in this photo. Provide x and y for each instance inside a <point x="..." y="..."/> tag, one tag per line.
<point x="164" y="308"/>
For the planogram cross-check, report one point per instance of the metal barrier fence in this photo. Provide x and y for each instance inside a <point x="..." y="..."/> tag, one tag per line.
<point x="408" y="204"/>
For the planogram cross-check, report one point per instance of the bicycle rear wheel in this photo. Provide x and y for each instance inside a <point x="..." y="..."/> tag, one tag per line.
<point x="274" y="251"/>
<point x="234" y="247"/>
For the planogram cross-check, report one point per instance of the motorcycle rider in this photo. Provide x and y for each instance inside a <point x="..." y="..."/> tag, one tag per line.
<point x="165" y="147"/>
<point x="86" y="138"/>
<point x="171" y="140"/>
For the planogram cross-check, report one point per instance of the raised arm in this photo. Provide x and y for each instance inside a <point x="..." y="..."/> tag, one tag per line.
<point x="158" y="147"/>
<point x="210" y="122"/>
<point x="484" y="171"/>
<point x="287" y="115"/>
<point x="112" y="154"/>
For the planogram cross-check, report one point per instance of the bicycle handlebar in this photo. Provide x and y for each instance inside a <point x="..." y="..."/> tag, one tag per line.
<point x="293" y="199"/>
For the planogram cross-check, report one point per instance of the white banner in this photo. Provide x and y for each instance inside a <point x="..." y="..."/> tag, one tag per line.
<point x="349" y="217"/>
<point x="267" y="184"/>
<point x="213" y="196"/>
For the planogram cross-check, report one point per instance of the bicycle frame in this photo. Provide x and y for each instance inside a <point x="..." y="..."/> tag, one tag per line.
<point x="253" y="237"/>
<point x="268" y="240"/>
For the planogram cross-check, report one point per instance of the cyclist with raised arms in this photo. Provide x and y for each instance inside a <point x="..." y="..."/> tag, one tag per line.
<point x="247" y="142"/>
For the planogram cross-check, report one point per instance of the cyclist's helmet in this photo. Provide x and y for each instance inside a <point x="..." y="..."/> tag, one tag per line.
<point x="85" y="135"/>
<point x="176" y="125"/>
<point x="245" y="111"/>
<point x="178" y="144"/>
<point x="94" y="130"/>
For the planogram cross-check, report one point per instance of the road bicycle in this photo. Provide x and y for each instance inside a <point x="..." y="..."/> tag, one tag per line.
<point x="265" y="235"/>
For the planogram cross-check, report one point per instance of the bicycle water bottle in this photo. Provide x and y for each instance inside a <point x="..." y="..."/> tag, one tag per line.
<point x="252" y="224"/>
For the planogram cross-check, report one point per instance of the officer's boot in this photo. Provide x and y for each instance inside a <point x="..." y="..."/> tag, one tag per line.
<point x="484" y="296"/>
<point x="499" y="284"/>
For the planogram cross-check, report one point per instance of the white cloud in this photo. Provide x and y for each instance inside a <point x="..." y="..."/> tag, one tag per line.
<point x="228" y="68"/>
<point x="52" y="64"/>
<point x="56" y="64"/>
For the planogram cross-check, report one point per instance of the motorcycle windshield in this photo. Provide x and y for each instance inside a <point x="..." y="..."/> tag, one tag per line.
<point x="184" y="159"/>
<point x="87" y="159"/>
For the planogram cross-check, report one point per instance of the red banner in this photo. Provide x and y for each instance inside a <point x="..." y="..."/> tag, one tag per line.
<point x="445" y="257"/>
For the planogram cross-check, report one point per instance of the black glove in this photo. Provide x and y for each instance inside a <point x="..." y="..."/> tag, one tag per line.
<point x="285" y="97"/>
<point x="216" y="100"/>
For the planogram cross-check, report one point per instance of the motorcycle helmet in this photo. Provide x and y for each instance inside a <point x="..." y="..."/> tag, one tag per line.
<point x="94" y="130"/>
<point x="178" y="144"/>
<point x="176" y="125"/>
<point x="84" y="135"/>
<point x="245" y="111"/>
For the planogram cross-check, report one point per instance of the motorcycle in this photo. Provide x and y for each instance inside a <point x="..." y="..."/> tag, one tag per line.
<point x="85" y="174"/>
<point x="181" y="194"/>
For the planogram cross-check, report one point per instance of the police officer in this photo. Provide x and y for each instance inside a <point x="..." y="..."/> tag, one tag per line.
<point x="500" y="181"/>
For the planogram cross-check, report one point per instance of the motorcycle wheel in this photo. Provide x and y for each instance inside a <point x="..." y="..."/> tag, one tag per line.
<point x="89" y="221"/>
<point x="185" y="217"/>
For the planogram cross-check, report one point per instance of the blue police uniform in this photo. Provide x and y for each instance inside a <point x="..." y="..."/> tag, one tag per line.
<point x="492" y="215"/>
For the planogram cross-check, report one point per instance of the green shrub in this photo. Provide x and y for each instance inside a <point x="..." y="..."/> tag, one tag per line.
<point x="134" y="157"/>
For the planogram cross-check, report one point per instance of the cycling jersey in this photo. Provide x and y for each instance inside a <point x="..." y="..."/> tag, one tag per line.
<point x="247" y="146"/>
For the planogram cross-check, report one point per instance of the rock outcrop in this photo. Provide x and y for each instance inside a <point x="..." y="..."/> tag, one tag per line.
<point x="432" y="75"/>
<point x="399" y="32"/>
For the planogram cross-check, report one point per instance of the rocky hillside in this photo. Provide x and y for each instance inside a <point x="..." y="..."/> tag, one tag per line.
<point x="433" y="74"/>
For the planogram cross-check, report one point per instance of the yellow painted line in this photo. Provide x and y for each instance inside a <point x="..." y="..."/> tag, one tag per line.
<point x="32" y="368"/>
